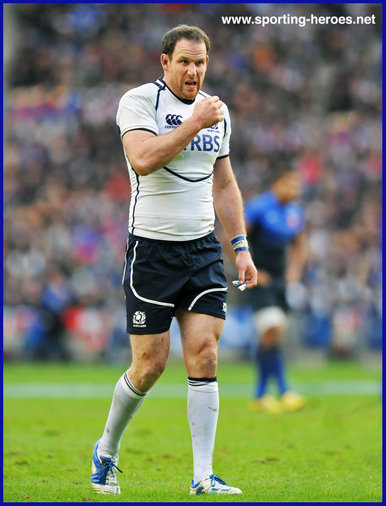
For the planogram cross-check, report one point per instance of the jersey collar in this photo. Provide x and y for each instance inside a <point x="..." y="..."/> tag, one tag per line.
<point x="184" y="100"/>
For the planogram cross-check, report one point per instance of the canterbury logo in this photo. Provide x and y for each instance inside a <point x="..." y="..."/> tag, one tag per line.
<point x="173" y="119"/>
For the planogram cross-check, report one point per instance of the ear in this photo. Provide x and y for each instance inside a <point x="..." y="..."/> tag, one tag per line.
<point x="165" y="61"/>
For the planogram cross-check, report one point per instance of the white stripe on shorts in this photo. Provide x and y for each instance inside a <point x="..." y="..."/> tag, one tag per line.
<point x="125" y="264"/>
<point x="225" y="289"/>
<point x="167" y="304"/>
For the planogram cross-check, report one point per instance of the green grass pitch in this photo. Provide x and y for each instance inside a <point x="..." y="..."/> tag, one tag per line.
<point x="328" y="452"/>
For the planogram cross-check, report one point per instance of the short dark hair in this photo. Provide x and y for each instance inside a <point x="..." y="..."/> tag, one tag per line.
<point x="179" y="32"/>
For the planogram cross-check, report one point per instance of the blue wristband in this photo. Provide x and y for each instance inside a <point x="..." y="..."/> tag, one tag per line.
<point x="240" y="243"/>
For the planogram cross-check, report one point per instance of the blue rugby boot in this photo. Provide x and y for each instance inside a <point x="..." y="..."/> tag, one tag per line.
<point x="104" y="473"/>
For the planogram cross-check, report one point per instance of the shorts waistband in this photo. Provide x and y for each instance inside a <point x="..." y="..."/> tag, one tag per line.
<point x="211" y="235"/>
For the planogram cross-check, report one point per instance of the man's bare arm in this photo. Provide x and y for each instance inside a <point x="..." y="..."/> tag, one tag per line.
<point x="148" y="152"/>
<point x="229" y="208"/>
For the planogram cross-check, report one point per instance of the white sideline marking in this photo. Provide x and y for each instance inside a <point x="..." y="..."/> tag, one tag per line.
<point x="178" y="390"/>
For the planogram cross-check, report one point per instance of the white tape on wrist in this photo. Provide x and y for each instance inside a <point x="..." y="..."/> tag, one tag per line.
<point x="240" y="243"/>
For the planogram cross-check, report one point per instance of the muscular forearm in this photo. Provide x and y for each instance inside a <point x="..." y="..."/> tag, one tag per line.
<point x="148" y="153"/>
<point x="229" y="209"/>
<point x="152" y="153"/>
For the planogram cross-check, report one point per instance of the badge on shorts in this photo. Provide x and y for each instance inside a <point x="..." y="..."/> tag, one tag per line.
<point x="139" y="319"/>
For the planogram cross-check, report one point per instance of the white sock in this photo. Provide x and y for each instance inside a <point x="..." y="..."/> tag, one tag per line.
<point x="126" y="402"/>
<point x="203" y="406"/>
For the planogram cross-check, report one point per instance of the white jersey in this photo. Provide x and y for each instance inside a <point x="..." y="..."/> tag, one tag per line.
<point x="174" y="202"/>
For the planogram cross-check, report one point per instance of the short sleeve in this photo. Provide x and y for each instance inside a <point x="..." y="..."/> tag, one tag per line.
<point x="225" y="148"/>
<point x="136" y="112"/>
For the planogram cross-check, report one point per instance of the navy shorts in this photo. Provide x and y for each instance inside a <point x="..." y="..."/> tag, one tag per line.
<point x="161" y="276"/>
<point x="273" y="294"/>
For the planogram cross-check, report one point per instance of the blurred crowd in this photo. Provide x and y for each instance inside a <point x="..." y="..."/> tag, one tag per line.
<point x="306" y="98"/>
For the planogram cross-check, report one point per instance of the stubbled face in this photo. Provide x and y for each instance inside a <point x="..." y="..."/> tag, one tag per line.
<point x="185" y="69"/>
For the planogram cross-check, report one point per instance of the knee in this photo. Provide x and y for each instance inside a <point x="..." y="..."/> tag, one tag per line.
<point x="206" y="360"/>
<point x="145" y="372"/>
<point x="153" y="368"/>
<point x="272" y="336"/>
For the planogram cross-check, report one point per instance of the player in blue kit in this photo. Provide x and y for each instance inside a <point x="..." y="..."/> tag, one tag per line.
<point x="275" y="224"/>
<point x="176" y="144"/>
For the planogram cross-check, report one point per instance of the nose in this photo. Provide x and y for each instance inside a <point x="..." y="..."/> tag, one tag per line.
<point x="192" y="69"/>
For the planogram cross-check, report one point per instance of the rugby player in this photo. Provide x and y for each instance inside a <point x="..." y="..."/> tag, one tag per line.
<point x="275" y="223"/>
<point x="176" y="144"/>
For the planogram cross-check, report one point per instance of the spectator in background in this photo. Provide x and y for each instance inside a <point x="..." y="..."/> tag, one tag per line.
<point x="275" y="228"/>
